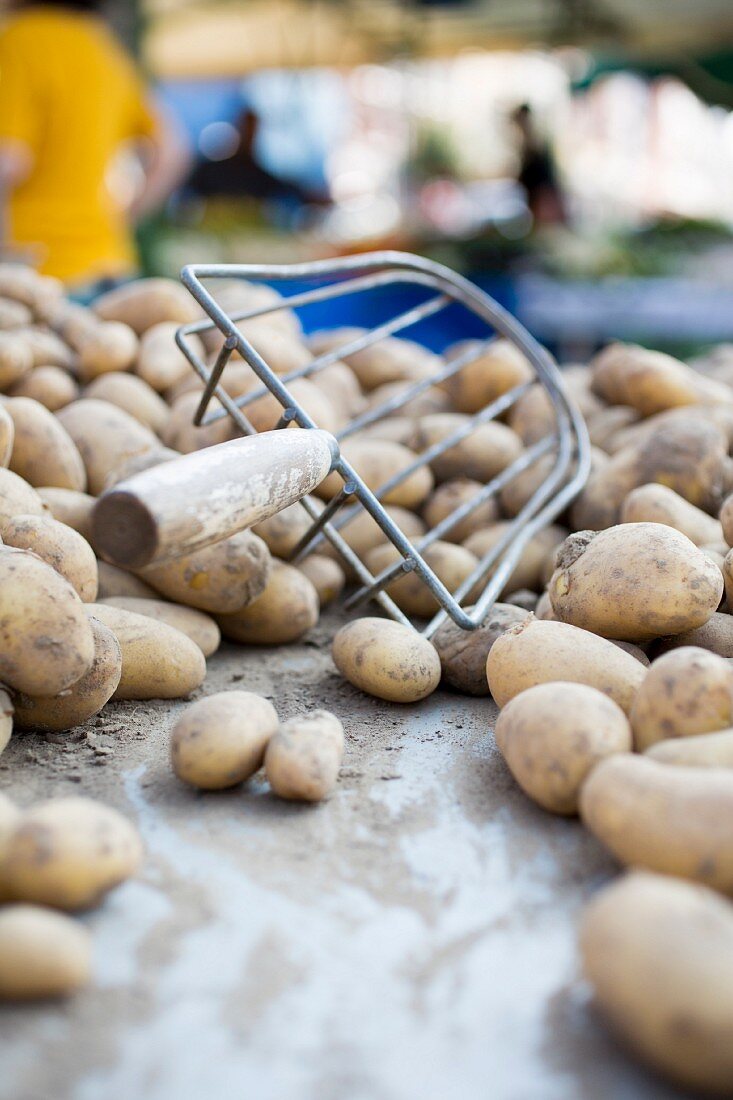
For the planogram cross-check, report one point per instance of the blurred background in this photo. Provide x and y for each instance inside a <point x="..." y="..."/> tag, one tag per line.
<point x="574" y="157"/>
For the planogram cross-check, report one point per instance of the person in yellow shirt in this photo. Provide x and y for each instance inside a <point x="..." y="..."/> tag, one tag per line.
<point x="71" y="102"/>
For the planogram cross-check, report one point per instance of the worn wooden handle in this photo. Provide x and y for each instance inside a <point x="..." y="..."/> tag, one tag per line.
<point x="201" y="498"/>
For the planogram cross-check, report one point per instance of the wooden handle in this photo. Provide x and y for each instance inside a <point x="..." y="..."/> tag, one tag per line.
<point x="201" y="498"/>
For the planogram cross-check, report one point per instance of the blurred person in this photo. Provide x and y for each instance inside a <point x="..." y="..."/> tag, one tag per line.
<point x="70" y="101"/>
<point x="537" y="173"/>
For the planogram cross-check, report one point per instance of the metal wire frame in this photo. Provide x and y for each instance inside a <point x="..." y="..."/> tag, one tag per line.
<point x="353" y="275"/>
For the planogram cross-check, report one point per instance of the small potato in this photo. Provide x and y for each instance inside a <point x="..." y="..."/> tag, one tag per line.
<point x="220" y="741"/>
<point x="104" y="349"/>
<point x="158" y="661"/>
<point x="658" y="504"/>
<point x="68" y="853"/>
<point x="16" y="359"/>
<point x="455" y="494"/>
<point x="83" y="699"/>
<point x="499" y="368"/>
<point x="160" y="362"/>
<point x="340" y="385"/>
<point x="716" y="635"/>
<point x="105" y="436"/>
<point x="678" y="821"/>
<point x="118" y="582"/>
<point x="658" y="954"/>
<point x="481" y="454"/>
<point x="538" y="652"/>
<point x="282" y="532"/>
<point x="287" y="608"/>
<point x="134" y="396"/>
<point x="221" y="578"/>
<point x="377" y="462"/>
<point x="197" y="626"/>
<point x="69" y="506"/>
<point x="62" y="547"/>
<point x="42" y="954"/>
<point x="387" y="659"/>
<point x="17" y="497"/>
<point x="303" y="758"/>
<point x="43" y="452"/>
<point x="704" y="750"/>
<point x="604" y="425"/>
<point x="46" y="642"/>
<point x="6" y="732"/>
<point x="14" y="314"/>
<point x="50" y="386"/>
<point x="147" y="302"/>
<point x="685" y="692"/>
<point x="522" y="598"/>
<point x="463" y="653"/>
<point x="554" y="734"/>
<point x="451" y="564"/>
<point x="636" y="582"/>
<point x="326" y="576"/>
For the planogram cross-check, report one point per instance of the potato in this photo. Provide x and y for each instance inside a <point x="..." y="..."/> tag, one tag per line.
<point x="726" y="520"/>
<point x="716" y="635"/>
<point x="287" y="608"/>
<point x="527" y="572"/>
<point x="395" y="429"/>
<point x="431" y="400"/>
<point x="702" y="750"/>
<point x="43" y="452"/>
<point x="389" y="360"/>
<point x="197" y="626"/>
<point x="554" y="734"/>
<point x="658" y="504"/>
<point x="158" y="661"/>
<point x="538" y="652"/>
<point x="377" y="462"/>
<point x="282" y="351"/>
<point x="220" y="741"/>
<point x="678" y="821"/>
<point x="46" y="642"/>
<point x="482" y="454"/>
<point x="17" y="498"/>
<point x="181" y="434"/>
<point x="222" y="578"/>
<point x="604" y="425"/>
<point x="634" y="650"/>
<point x="7" y="436"/>
<point x="499" y="368"/>
<point x="69" y="853"/>
<point x="42" y="954"/>
<point x="657" y="953"/>
<point x="106" y="348"/>
<point x="118" y="582"/>
<point x="303" y="758"/>
<point x="148" y="302"/>
<point x="6" y="732"/>
<point x="69" y="506"/>
<point x="687" y="691"/>
<point x="265" y="412"/>
<point x="138" y="463"/>
<point x="47" y="349"/>
<point x="14" y="314"/>
<point x="23" y="284"/>
<point x="649" y="381"/>
<point x="341" y="386"/>
<point x="635" y="582"/>
<point x="282" y="532"/>
<point x="522" y="598"/>
<point x="363" y="532"/>
<point x="16" y="359"/>
<point x="84" y="698"/>
<point x="386" y="659"/>
<point x="451" y="564"/>
<point x="326" y="576"/>
<point x="160" y="362"/>
<point x="133" y="395"/>
<point x="237" y="296"/>
<point x="62" y="547"/>
<point x="50" y="386"/>
<point x="10" y="815"/>
<point x="105" y="436"/>
<point x="455" y="494"/>
<point x="463" y="653"/>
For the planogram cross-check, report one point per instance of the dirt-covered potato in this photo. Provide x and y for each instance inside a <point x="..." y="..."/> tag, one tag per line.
<point x="46" y="642"/>
<point x="221" y="578"/>
<point x="62" y="547"/>
<point x="658" y="954"/>
<point x="147" y="302"/>
<point x="716" y="635"/>
<point x="499" y="368"/>
<point x="703" y="750"/>
<point x="17" y="498"/>
<point x="678" y="821"/>
<point x="649" y="381"/>
<point x="70" y="507"/>
<point x="220" y="741"/>
<point x="84" y="698"/>
<point x="284" y="611"/>
<point x="68" y="853"/>
<point x="52" y="387"/>
<point x="197" y="626"/>
<point x="658" y="504"/>
<point x="456" y="494"/>
<point x="685" y="692"/>
<point x="6" y="731"/>
<point x="16" y="359"/>
<point x="451" y="564"/>
<point x="43" y="452"/>
<point x="538" y="652"/>
<point x="377" y="462"/>
<point x="118" y="582"/>
<point x="463" y="653"/>
<point x="387" y="659"/>
<point x="158" y="661"/>
<point x="481" y="454"/>
<point x="105" y="436"/>
<point x="326" y="576"/>
<point x="42" y="954"/>
<point x="133" y="395"/>
<point x="636" y="581"/>
<point x="303" y="758"/>
<point x="552" y="736"/>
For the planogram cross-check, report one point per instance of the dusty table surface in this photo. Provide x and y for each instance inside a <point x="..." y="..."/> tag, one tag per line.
<point x="413" y="938"/>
